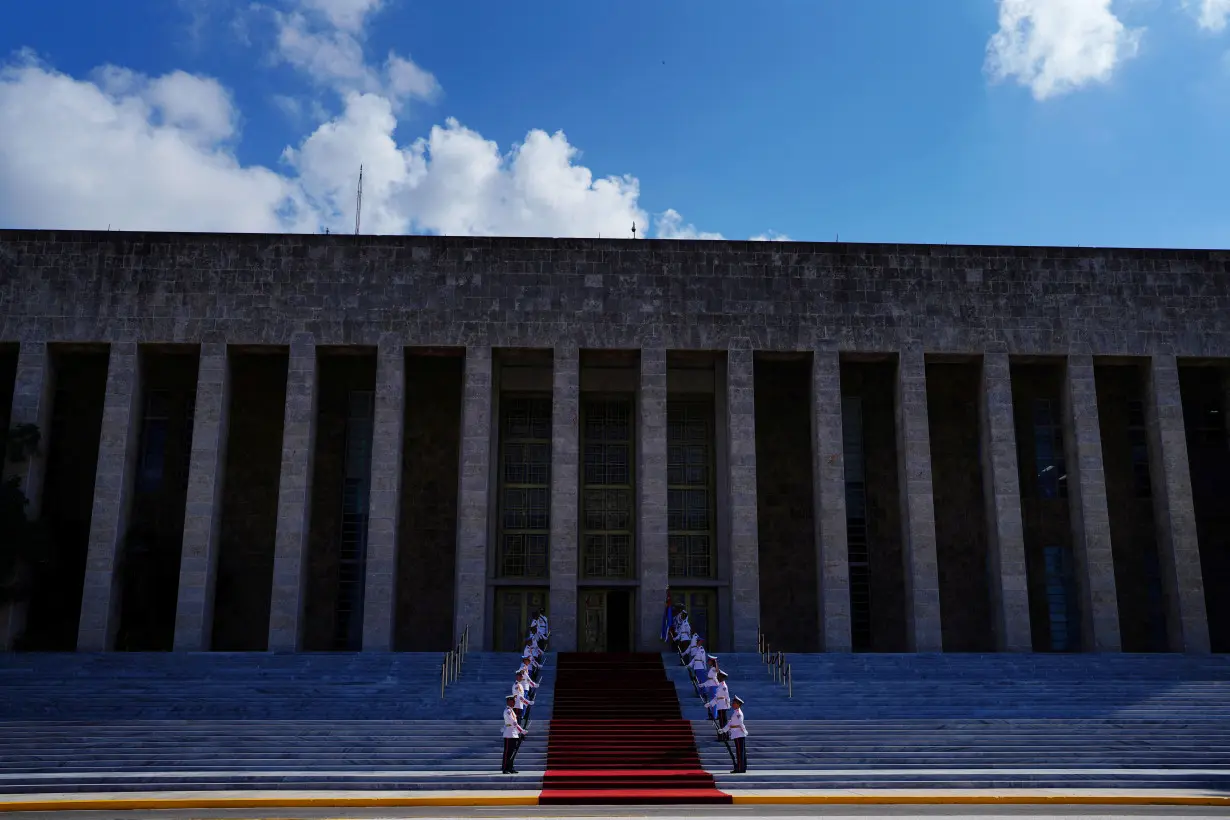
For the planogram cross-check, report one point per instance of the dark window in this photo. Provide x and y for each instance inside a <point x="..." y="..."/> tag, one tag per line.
<point x="525" y="487"/>
<point x="1138" y="438"/>
<point x="689" y="492"/>
<point x="1048" y="450"/>
<point x="1061" y="612"/>
<point x="155" y="422"/>
<point x="856" y="523"/>
<point x="607" y="519"/>
<point x="356" y="495"/>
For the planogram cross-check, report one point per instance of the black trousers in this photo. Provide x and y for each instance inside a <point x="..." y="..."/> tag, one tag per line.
<point x="722" y="718"/>
<point x="740" y="754"/>
<point x="510" y="749"/>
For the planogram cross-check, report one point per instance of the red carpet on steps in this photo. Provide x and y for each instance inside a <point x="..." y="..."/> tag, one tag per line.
<point x="617" y="736"/>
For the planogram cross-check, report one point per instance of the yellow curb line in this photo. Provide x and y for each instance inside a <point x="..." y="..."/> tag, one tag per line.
<point x="154" y="803"/>
<point x="980" y="800"/>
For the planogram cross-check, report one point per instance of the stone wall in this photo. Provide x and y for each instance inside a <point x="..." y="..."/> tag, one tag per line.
<point x="1133" y="533"/>
<point x="103" y="286"/>
<point x="8" y="379"/>
<point x="250" y="500"/>
<point x="339" y="375"/>
<point x="68" y="496"/>
<point x="427" y="540"/>
<point x="789" y="605"/>
<point x="875" y="383"/>
<point x="953" y="391"/>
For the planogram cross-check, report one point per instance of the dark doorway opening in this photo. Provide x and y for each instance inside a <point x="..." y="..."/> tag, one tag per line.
<point x="619" y="620"/>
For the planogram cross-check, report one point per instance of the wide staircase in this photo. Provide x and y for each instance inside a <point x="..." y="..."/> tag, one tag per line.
<point x="213" y="721"/>
<point x="975" y="721"/>
<point x="617" y="736"/>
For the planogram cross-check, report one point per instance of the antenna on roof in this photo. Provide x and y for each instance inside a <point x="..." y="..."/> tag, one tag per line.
<point x="358" y="203"/>
<point x="634" y="230"/>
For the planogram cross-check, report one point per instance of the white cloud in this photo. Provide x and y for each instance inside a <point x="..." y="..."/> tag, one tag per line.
<point x="1212" y="14"/>
<point x="143" y="153"/>
<point x="1056" y="46"/>
<point x="669" y="225"/>
<point x="771" y="236"/>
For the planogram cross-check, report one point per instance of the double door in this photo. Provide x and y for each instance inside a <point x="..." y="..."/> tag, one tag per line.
<point x="606" y="620"/>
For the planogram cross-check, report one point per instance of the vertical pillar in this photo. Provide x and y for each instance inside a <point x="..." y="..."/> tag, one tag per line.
<point x="1173" y="509"/>
<point x="379" y="592"/>
<point x="294" y="499"/>
<point x="473" y="495"/>
<point x="117" y="455"/>
<point x="565" y="494"/>
<point x="744" y="534"/>
<point x="652" y="500"/>
<point x="1095" y="565"/>
<point x="198" y="565"/>
<point x="32" y="396"/>
<point x="829" y="488"/>
<point x="1001" y="491"/>
<point x="922" y="578"/>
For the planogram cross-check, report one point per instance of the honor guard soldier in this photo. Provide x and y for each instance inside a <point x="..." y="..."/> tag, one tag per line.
<point x="513" y="732"/>
<point x="522" y="688"/>
<point x="720" y="700"/>
<point x="710" y="683"/>
<point x="683" y="631"/>
<point x="738" y="733"/>
<point x="531" y="653"/>
<point x="697" y="659"/>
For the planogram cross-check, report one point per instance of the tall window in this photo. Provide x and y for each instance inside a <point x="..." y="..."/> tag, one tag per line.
<point x="155" y="422"/>
<point x="1139" y="440"/>
<point x="689" y="479"/>
<point x="606" y="497"/>
<point x="186" y="438"/>
<point x="525" y="486"/>
<point x="1062" y="616"/>
<point x="1048" y="450"/>
<point x="356" y="495"/>
<point x="856" y="523"/>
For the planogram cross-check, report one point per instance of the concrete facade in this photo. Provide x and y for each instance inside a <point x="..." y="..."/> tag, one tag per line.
<point x="821" y="304"/>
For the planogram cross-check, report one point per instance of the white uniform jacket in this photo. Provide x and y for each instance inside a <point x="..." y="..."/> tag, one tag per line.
<point x="512" y="729"/>
<point x="700" y="658"/>
<point x="734" y="724"/>
<point x="721" y="697"/>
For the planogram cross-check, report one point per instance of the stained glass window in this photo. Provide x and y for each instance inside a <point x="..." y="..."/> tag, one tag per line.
<point x="525" y="486"/>
<point x="607" y="509"/>
<point x="689" y="493"/>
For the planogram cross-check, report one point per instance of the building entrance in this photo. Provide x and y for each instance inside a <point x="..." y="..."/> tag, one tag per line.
<point x="606" y="620"/>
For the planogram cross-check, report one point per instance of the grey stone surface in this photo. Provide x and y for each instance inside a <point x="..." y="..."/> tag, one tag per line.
<point x="31" y="405"/>
<point x="198" y="565"/>
<point x="652" y="499"/>
<point x="1002" y="495"/>
<point x="829" y="480"/>
<point x="1095" y="565"/>
<point x="99" y="286"/>
<point x="473" y="499"/>
<point x="565" y="495"/>
<point x="922" y="576"/>
<point x="741" y="480"/>
<point x="379" y="593"/>
<point x="117" y="455"/>
<point x="1174" y="511"/>
<point x="294" y="499"/>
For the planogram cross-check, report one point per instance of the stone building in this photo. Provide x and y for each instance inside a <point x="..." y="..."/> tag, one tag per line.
<point x="260" y="442"/>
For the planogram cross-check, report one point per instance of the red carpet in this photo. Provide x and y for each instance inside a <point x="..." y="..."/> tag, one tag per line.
<point x="617" y="736"/>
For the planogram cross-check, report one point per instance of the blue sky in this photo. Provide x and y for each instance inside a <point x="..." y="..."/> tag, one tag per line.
<point x="1071" y="122"/>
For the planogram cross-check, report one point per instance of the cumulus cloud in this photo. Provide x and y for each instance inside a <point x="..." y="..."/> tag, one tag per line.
<point x="1057" y="46"/>
<point x="1212" y="14"/>
<point x="157" y="153"/>
<point x="771" y="236"/>
<point x="670" y="225"/>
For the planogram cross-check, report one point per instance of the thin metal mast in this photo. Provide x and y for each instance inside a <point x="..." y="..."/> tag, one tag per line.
<point x="358" y="203"/>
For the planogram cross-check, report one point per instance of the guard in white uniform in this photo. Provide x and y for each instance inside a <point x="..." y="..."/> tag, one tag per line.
<point x="738" y="733"/>
<point x="720" y="700"/>
<point x="710" y="682"/>
<point x="513" y="732"/>
<point x="531" y="653"/>
<point x="697" y="658"/>
<point x="683" y="632"/>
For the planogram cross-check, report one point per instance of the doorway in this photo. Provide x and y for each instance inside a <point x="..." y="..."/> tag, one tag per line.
<point x="606" y="620"/>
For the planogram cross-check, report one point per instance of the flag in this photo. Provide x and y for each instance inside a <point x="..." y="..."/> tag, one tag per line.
<point x="667" y="615"/>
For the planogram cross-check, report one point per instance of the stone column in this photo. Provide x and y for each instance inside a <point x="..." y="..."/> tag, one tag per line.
<point x="379" y="592"/>
<point x="32" y="398"/>
<point x="652" y="501"/>
<point x="198" y="565"/>
<point x="473" y="498"/>
<point x="1173" y="509"/>
<point x="829" y="489"/>
<point x="117" y="455"/>
<point x="922" y="577"/>
<point x="565" y="494"/>
<point x="1001" y="491"/>
<point x="294" y="499"/>
<point x="744" y="533"/>
<point x="1095" y="564"/>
